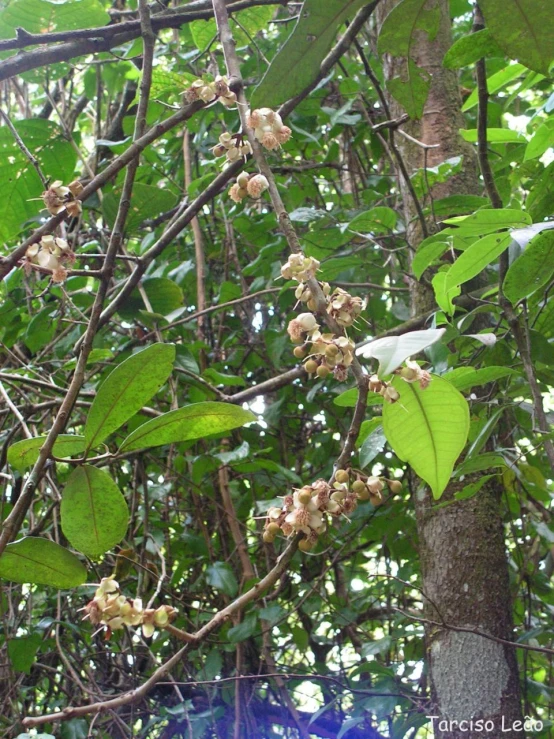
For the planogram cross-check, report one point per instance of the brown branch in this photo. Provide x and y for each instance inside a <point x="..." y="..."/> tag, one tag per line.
<point x="141" y="692"/>
<point x="9" y="262"/>
<point x="13" y="522"/>
<point x="96" y="40"/>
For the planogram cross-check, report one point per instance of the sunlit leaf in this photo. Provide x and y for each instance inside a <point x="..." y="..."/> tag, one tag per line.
<point x="94" y="513"/>
<point x="428" y="429"/>
<point x="184" y="424"/>
<point x="127" y="389"/>
<point x="42" y="562"/>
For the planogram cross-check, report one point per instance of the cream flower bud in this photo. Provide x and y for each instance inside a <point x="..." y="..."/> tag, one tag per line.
<point x="257" y="185"/>
<point x="307" y="321"/>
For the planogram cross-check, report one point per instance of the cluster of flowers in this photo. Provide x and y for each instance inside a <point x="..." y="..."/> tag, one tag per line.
<point x="306" y="511"/>
<point x="114" y="611"/>
<point x="248" y="184"/>
<point x="328" y="352"/>
<point x="233" y="146"/>
<point x="412" y="372"/>
<point x="209" y="91"/>
<point x="268" y="128"/>
<point x="60" y="197"/>
<point x="344" y="308"/>
<point x="50" y="253"/>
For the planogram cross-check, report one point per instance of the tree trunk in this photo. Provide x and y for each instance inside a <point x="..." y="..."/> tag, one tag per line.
<point x="462" y="549"/>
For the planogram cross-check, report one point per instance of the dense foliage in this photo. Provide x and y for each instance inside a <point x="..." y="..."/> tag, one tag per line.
<point x="152" y="405"/>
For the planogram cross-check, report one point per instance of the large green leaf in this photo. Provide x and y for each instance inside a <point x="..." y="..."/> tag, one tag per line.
<point x="495" y="82"/>
<point x="524" y="29"/>
<point x="469" y="49"/>
<point x="464" y="378"/>
<point x="532" y="270"/>
<point x="25" y="453"/>
<point x="43" y="16"/>
<point x="127" y="389"/>
<point x="94" y="513"/>
<point x="428" y="429"/>
<point x="19" y="182"/>
<point x="184" y="424"/>
<point x="376" y="220"/>
<point x="397" y="37"/>
<point x="489" y="220"/>
<point x="494" y="135"/>
<point x="41" y="562"/>
<point x="476" y="258"/>
<point x="297" y="63"/>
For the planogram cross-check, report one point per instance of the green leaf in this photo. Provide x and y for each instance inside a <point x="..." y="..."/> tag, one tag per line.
<point x="523" y="29"/>
<point x="391" y="351"/>
<point x="146" y="202"/>
<point x="494" y="135"/>
<point x="221" y="577"/>
<point x="427" y="253"/>
<point x="94" y="513"/>
<point x="41" y="330"/>
<point x="203" y="33"/>
<point x="469" y="49"/>
<point x="398" y="35"/>
<point x="411" y="89"/>
<point x="22" y="652"/>
<point x="376" y="220"/>
<point x="244" y="630"/>
<point x="41" y="562"/>
<point x="482" y="462"/>
<point x="127" y="389"/>
<point x="41" y="16"/>
<point x="372" y="446"/>
<point x="296" y="65"/>
<point x="473" y="260"/>
<point x="454" y="205"/>
<point x="348" y="399"/>
<point x="543" y="139"/>
<point x="19" y="182"/>
<point x="495" y="82"/>
<point x="163" y="294"/>
<point x="194" y="421"/>
<point x="464" y="378"/>
<point x="444" y="297"/>
<point x="25" y="453"/>
<point x="531" y="270"/>
<point x="428" y="429"/>
<point x="489" y="220"/>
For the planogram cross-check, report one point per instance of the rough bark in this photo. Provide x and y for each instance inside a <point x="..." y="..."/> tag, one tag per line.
<point x="462" y="548"/>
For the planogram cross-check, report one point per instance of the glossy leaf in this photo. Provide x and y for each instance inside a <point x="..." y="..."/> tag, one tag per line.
<point x="376" y="220"/>
<point x="523" y="29"/>
<point x="489" y="220"/>
<point x="25" y="453"/>
<point x="464" y="378"/>
<point x="393" y="350"/>
<point x="127" y="389"/>
<point x="469" y="49"/>
<point x="296" y="65"/>
<point x="185" y="424"/>
<point x="479" y="255"/>
<point x="221" y="577"/>
<point x="41" y="562"/>
<point x="495" y="82"/>
<point x="427" y="254"/>
<point x="494" y="135"/>
<point x="533" y="269"/>
<point x="428" y="429"/>
<point x="94" y="513"/>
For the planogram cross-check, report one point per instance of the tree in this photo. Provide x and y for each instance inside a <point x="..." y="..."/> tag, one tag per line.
<point x="276" y="354"/>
